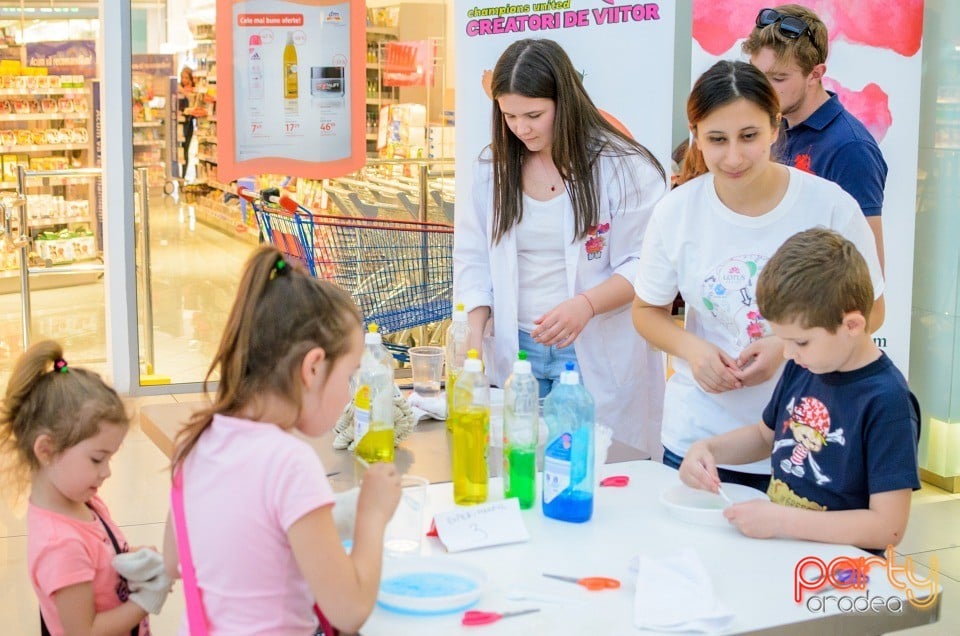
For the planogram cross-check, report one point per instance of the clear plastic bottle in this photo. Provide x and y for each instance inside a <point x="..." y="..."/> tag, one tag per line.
<point x="568" y="456"/>
<point x="457" y="341"/>
<point x="373" y="401"/>
<point x="521" y="427"/>
<point x="471" y="429"/>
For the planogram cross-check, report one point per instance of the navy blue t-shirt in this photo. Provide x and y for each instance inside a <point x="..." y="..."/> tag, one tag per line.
<point x="842" y="436"/>
<point x="835" y="145"/>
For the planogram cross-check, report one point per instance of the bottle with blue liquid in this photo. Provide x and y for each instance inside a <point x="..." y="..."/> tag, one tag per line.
<point x="568" y="456"/>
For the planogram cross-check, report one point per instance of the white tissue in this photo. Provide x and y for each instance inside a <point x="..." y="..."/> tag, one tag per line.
<point x="675" y="594"/>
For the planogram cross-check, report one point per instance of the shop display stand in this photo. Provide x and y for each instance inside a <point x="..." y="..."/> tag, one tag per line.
<point x="46" y="145"/>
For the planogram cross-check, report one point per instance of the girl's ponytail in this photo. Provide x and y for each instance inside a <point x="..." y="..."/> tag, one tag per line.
<point x="279" y="314"/>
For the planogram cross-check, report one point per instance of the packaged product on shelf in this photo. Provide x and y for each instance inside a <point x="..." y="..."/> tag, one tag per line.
<point x="9" y="165"/>
<point x="57" y="248"/>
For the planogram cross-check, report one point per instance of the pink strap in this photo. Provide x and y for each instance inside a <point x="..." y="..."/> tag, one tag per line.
<point x="196" y="618"/>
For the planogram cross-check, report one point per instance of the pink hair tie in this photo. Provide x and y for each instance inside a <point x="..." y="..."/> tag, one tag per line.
<point x="60" y="365"/>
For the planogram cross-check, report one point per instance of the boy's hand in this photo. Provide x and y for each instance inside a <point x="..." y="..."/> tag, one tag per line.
<point x="760" y="359"/>
<point x="713" y="369"/>
<point x="699" y="469"/>
<point x="758" y="518"/>
<point x="379" y="492"/>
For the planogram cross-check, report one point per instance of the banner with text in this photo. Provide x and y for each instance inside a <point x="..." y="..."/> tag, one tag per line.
<point x="291" y="87"/>
<point x="875" y="71"/>
<point x="622" y="51"/>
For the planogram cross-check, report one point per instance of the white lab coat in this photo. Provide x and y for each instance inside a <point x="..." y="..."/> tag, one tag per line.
<point x="620" y="370"/>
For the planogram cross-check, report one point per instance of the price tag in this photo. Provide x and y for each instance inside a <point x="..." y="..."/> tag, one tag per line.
<point x="489" y="524"/>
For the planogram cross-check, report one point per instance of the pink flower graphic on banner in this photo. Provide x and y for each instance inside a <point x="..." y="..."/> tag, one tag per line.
<point x="870" y="105"/>
<point x="887" y="24"/>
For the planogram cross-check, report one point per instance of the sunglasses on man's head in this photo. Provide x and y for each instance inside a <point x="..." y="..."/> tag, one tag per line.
<point x="790" y="26"/>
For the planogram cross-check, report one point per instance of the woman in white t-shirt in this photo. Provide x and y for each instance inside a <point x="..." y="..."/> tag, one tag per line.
<point x="709" y="239"/>
<point x="548" y="250"/>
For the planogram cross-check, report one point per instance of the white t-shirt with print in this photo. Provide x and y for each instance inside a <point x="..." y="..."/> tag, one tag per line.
<point x="710" y="254"/>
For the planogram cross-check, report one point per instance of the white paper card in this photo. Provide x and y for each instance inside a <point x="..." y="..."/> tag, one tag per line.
<point x="493" y="523"/>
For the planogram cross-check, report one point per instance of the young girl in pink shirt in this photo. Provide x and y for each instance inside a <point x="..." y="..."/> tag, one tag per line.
<point x="252" y="529"/>
<point x="62" y="425"/>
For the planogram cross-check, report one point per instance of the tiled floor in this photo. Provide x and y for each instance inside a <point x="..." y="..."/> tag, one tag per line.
<point x="194" y="270"/>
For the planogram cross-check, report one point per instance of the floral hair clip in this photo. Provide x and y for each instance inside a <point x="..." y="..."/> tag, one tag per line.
<point x="60" y="366"/>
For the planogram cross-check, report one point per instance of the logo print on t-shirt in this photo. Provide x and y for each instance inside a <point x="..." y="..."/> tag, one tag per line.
<point x="809" y="424"/>
<point x="729" y="294"/>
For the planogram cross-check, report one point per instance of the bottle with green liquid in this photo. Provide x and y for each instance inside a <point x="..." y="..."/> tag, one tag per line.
<point x="471" y="432"/>
<point x="521" y="427"/>
<point x="373" y="401"/>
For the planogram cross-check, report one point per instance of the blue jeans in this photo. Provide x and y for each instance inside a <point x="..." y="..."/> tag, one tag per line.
<point x="753" y="480"/>
<point x="546" y="362"/>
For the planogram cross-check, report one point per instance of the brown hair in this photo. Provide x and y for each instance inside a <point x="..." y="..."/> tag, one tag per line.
<point x="68" y="405"/>
<point x="542" y="69"/>
<point x="724" y="83"/>
<point x="279" y="315"/>
<point x="815" y="278"/>
<point x="808" y="50"/>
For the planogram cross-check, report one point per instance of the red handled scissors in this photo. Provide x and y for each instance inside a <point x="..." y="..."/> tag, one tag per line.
<point x="592" y="583"/>
<point x="474" y="617"/>
<point x="616" y="481"/>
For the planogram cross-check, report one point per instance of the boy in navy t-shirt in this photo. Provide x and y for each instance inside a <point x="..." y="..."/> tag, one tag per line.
<point x="842" y="424"/>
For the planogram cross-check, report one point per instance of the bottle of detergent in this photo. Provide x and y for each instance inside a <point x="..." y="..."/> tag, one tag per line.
<point x="471" y="430"/>
<point x="568" y="456"/>
<point x="521" y="426"/>
<point x="457" y="341"/>
<point x="373" y="401"/>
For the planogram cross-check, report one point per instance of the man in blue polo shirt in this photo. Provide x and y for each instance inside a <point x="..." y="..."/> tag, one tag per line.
<point x="789" y="44"/>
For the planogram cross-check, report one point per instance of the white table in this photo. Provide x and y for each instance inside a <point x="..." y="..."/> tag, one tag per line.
<point x="753" y="578"/>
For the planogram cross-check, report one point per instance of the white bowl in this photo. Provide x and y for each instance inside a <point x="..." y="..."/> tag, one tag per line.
<point x="702" y="507"/>
<point x="429" y="585"/>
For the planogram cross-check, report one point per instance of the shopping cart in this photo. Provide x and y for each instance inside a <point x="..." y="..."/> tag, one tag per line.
<point x="400" y="273"/>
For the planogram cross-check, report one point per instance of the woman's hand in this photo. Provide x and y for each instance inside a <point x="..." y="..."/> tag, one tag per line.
<point x="760" y="359"/>
<point x="561" y="325"/>
<point x="713" y="369"/>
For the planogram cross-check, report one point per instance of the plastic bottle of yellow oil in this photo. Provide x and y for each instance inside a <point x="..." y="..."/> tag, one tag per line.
<point x="471" y="432"/>
<point x="291" y="75"/>
<point x="373" y="402"/>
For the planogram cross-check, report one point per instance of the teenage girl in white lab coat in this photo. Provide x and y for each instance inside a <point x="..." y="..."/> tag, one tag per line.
<point x="550" y="247"/>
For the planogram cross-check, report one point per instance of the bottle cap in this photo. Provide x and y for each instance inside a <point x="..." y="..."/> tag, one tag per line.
<point x="373" y="334"/>
<point x="569" y="374"/>
<point x="473" y="363"/>
<point x="459" y="313"/>
<point x="521" y="365"/>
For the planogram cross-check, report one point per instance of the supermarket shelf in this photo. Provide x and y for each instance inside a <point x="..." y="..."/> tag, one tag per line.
<point x="147" y="124"/>
<point x="219" y="185"/>
<point x="207" y="138"/>
<point x="150" y="165"/>
<point x="39" y="116"/>
<point x="41" y="147"/>
<point x="226" y="219"/>
<point x="374" y="66"/>
<point x="381" y="30"/>
<point x="159" y="143"/>
<point x="54" y="277"/>
<point x="207" y="158"/>
<point x="52" y="181"/>
<point x="383" y="101"/>
<point x="30" y="92"/>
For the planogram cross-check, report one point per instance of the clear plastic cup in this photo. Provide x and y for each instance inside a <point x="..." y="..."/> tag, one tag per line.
<point x="404" y="533"/>
<point x="427" y="366"/>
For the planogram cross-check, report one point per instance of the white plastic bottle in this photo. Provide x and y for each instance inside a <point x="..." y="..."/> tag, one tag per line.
<point x="373" y="402"/>
<point x="457" y="342"/>
<point x="255" y="68"/>
<point x="521" y="428"/>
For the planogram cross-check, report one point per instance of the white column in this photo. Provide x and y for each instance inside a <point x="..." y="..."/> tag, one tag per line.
<point x="118" y="231"/>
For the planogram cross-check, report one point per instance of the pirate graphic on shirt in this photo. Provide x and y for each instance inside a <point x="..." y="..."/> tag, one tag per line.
<point x="809" y="422"/>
